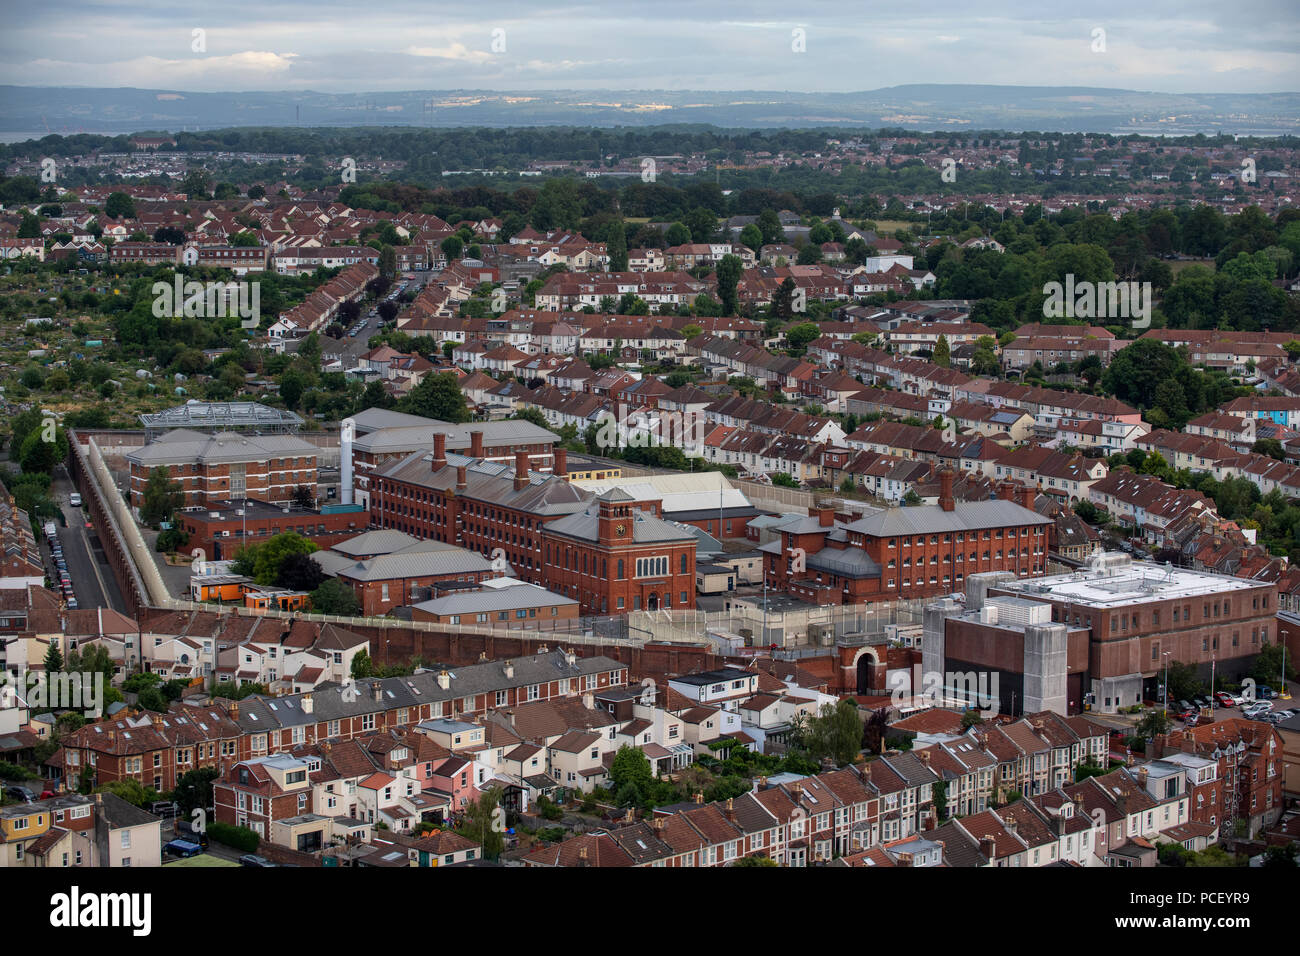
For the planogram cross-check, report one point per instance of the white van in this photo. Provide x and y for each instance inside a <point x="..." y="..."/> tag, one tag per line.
<point x="74" y="499"/>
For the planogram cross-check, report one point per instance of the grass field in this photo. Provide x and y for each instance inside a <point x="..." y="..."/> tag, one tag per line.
<point x="203" y="859"/>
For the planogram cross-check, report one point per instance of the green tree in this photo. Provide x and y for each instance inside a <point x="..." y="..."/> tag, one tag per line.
<point x="161" y="498"/>
<point x="801" y="335"/>
<point x="942" y="353"/>
<point x="196" y="184"/>
<point x="361" y="666"/>
<point x="194" y="790"/>
<point x="1269" y="446"/>
<point x="132" y="791"/>
<point x="53" y="657"/>
<point x="481" y="823"/>
<point x="437" y="396"/>
<point x="388" y="262"/>
<point x="262" y="561"/>
<point x="729" y="271"/>
<point x="836" y="732"/>
<point x="335" y="597"/>
<point x="630" y="767"/>
<point x="756" y="860"/>
<point x="1267" y="668"/>
<point x="1153" y="724"/>
<point x="119" y="206"/>
<point x="616" y="247"/>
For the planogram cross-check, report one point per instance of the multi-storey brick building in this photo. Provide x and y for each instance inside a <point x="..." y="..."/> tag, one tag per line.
<point x="377" y="437"/>
<point x="1247" y="781"/>
<point x="226" y="466"/>
<point x="1103" y="635"/>
<point x="902" y="553"/>
<point x="611" y="552"/>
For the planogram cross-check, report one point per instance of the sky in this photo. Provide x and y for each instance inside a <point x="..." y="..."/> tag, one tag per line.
<point x="1188" y="46"/>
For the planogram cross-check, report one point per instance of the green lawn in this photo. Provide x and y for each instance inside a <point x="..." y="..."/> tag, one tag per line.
<point x="202" y="859"/>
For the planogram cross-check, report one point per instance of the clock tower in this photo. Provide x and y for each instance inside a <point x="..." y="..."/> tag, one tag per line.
<point x="614" y="516"/>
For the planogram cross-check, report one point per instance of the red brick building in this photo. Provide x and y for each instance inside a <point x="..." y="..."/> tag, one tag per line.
<point x="1249" y="773"/>
<point x="221" y="530"/>
<point x="226" y="466"/>
<point x="611" y="553"/>
<point x="905" y="553"/>
<point x="380" y="438"/>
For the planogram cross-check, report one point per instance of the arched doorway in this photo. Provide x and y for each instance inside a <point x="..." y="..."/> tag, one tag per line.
<point x="862" y="664"/>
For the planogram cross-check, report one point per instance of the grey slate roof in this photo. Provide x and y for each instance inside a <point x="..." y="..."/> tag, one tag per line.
<point x="422" y="559"/>
<point x="412" y="437"/>
<point x="928" y="519"/>
<point x="492" y="483"/>
<point x="851" y="562"/>
<point x="184" y="445"/>
<point x="383" y="541"/>
<point x="646" y="528"/>
<point x="494" y="599"/>
<point x="259" y="714"/>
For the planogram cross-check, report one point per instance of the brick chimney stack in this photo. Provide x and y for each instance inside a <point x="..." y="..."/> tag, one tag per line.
<point x="521" y="469"/>
<point x="946" y="501"/>
<point x="1027" y="496"/>
<point x="560" y="458"/>
<point x="439" y="451"/>
<point x="476" y="444"/>
<point x="1007" y="491"/>
<point x="825" y="515"/>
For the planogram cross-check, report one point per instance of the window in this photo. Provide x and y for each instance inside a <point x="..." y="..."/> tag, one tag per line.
<point x="652" y="567"/>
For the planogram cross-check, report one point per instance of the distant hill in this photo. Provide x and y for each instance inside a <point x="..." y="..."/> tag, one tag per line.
<point x="38" y="110"/>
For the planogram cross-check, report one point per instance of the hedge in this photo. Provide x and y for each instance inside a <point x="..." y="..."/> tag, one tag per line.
<point x="241" y="838"/>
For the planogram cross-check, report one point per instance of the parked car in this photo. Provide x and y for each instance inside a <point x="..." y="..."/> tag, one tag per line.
<point x="20" y="793"/>
<point x="183" y="848"/>
<point x="74" y="499"/>
<point x="1264" y="692"/>
<point x="1227" y="700"/>
<point x="1258" y="707"/>
<point x="252" y="859"/>
<point x="1201" y="701"/>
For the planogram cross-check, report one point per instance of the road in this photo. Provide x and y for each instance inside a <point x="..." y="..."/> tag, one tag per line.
<point x="92" y="578"/>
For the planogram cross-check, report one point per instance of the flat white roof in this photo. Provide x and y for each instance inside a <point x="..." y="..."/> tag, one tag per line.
<point x="1135" y="584"/>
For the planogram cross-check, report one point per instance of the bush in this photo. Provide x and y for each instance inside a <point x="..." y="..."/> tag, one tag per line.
<point x="239" y="838"/>
<point x="173" y="539"/>
<point x="11" y="771"/>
